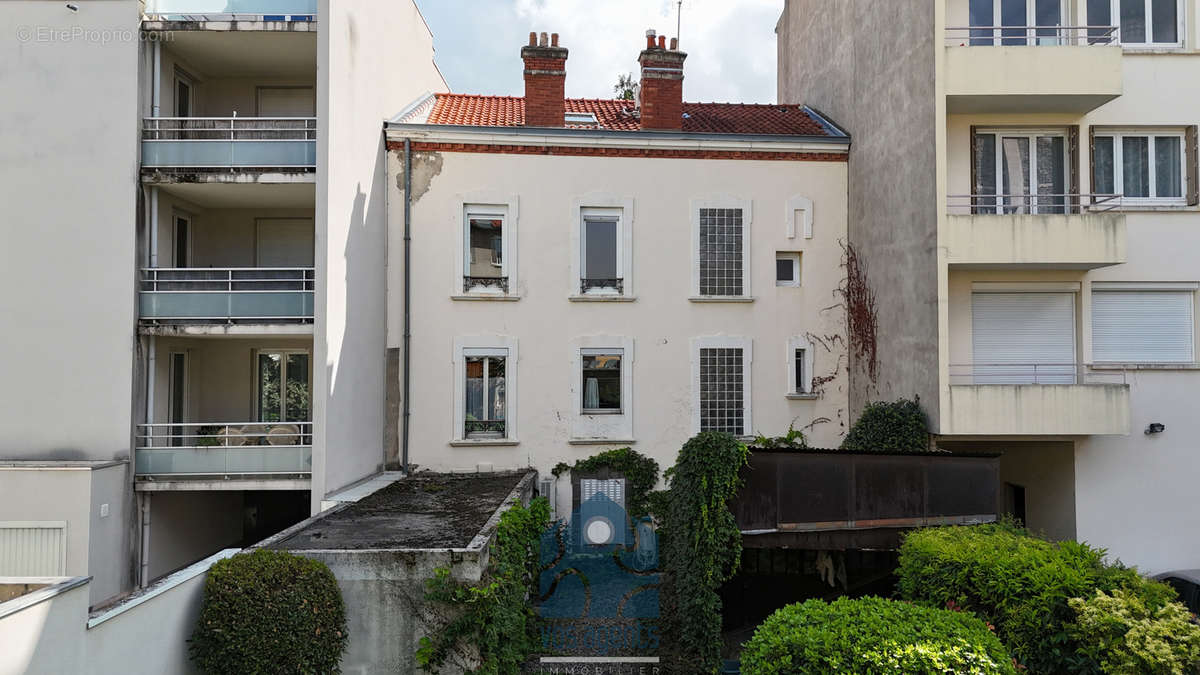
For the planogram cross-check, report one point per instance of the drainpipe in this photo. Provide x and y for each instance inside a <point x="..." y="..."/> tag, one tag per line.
<point x="154" y="227"/>
<point x="156" y="81"/>
<point x="144" y="574"/>
<point x="407" y="298"/>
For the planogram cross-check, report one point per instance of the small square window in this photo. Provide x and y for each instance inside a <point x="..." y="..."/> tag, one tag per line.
<point x="787" y="269"/>
<point x="601" y="381"/>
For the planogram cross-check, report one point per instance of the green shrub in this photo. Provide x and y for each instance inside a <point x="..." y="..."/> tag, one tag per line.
<point x="873" y="635"/>
<point x="794" y="439"/>
<point x="1124" y="635"/>
<point x="1020" y="584"/>
<point x="269" y="612"/>
<point x="640" y="471"/>
<point x="494" y="616"/>
<point x="701" y="544"/>
<point x="898" y="426"/>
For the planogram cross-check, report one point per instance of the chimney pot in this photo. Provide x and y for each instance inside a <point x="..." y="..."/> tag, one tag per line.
<point x="532" y="39"/>
<point x="545" y="77"/>
<point x="674" y="44"/>
<point x="660" y="93"/>
<point x="662" y="41"/>
<point x="554" y="39"/>
<point x="650" y="39"/>
<point x="544" y="41"/>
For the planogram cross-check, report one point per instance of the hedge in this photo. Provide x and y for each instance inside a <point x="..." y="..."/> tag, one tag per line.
<point x="1022" y="585"/>
<point x="873" y="635"/>
<point x="896" y="426"/>
<point x="269" y="612"/>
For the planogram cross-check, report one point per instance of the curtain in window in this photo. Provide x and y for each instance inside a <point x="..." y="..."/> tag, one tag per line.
<point x="1164" y="21"/>
<point x="1135" y="166"/>
<point x="1099" y="13"/>
<point x="1051" y="174"/>
<point x="1168" y="167"/>
<point x="985" y="172"/>
<point x="1103" y="182"/>
<point x="1014" y="168"/>
<point x="1133" y="21"/>
<point x="591" y="394"/>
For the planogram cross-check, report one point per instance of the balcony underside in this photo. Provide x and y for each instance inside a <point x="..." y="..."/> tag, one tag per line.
<point x="1078" y="242"/>
<point x="1032" y="79"/>
<point x="1037" y="410"/>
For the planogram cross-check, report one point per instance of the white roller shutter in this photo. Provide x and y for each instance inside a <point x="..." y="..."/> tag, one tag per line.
<point x="1142" y="326"/>
<point x="33" y="549"/>
<point x="1023" y="338"/>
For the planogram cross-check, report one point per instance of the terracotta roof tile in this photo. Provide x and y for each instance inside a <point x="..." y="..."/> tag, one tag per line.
<point x="716" y="118"/>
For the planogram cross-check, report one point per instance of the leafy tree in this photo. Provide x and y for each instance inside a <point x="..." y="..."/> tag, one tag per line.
<point x="625" y="87"/>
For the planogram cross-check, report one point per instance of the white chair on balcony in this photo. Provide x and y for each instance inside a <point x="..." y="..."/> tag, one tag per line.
<point x="284" y="434"/>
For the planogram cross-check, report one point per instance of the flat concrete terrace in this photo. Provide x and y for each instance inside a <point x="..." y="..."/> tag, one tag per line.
<point x="423" y="511"/>
<point x="383" y="547"/>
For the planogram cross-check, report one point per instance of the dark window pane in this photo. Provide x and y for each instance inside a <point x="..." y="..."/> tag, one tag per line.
<point x="181" y="242"/>
<point x="600" y="249"/>
<point x="1103" y="182"/>
<point x="602" y="382"/>
<point x="1015" y="166"/>
<point x="1135" y="166"/>
<point x="785" y="269"/>
<point x="1099" y="13"/>
<point x="486" y="255"/>
<point x="799" y="357"/>
<point x="981" y="14"/>
<point x="985" y="171"/>
<point x="1013" y="13"/>
<point x="1165" y="23"/>
<point x="1049" y="13"/>
<point x="1133" y="21"/>
<point x="297" y="388"/>
<point x="1052" y="174"/>
<point x="1168" y="166"/>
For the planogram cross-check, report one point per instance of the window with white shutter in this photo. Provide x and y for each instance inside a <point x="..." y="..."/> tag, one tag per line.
<point x="1142" y="326"/>
<point x="1023" y="338"/>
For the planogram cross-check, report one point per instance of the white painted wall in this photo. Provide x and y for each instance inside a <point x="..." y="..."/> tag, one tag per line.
<point x="660" y="323"/>
<point x="68" y="177"/>
<point x="375" y="57"/>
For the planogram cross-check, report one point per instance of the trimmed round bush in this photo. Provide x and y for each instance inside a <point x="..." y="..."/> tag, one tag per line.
<point x="270" y="612"/>
<point x="873" y="635"/>
<point x="1023" y="586"/>
<point x="896" y="426"/>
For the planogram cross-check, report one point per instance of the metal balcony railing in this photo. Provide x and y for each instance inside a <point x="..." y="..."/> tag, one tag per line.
<point x="476" y="283"/>
<point x="1031" y="204"/>
<point x="229" y="142"/>
<point x="611" y="285"/>
<point x="1032" y="374"/>
<point x="484" y="428"/>
<point x="1031" y="36"/>
<point x="213" y="448"/>
<point x="206" y="294"/>
<point x="231" y="10"/>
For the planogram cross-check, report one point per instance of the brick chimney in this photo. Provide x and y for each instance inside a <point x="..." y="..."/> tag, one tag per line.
<point x="545" y="81"/>
<point x="662" y="83"/>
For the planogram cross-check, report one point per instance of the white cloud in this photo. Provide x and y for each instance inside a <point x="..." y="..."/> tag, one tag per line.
<point x="730" y="43"/>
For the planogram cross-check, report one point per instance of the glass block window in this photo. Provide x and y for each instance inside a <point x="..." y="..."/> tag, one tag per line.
<point x="722" y="394"/>
<point x="721" y="243"/>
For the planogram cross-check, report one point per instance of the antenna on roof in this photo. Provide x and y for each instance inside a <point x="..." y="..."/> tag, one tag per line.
<point x="678" y="19"/>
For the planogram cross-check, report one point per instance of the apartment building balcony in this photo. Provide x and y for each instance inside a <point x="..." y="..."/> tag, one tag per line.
<point x="230" y="15"/>
<point x="224" y="144"/>
<point x="823" y="499"/>
<point x="230" y="296"/>
<point x="218" y="449"/>
<point x="1044" y="231"/>
<point x="1031" y="69"/>
<point x="1036" y="399"/>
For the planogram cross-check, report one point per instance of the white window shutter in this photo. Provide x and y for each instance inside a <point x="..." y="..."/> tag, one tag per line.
<point x="1023" y="338"/>
<point x="1142" y="326"/>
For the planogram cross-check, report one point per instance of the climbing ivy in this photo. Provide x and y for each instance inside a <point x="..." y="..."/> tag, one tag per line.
<point x="701" y="544"/>
<point x="896" y="426"/>
<point x="493" y="616"/>
<point x="641" y="475"/>
<point x="794" y="439"/>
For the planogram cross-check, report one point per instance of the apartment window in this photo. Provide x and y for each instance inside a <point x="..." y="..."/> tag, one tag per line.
<point x="601" y="385"/>
<point x="601" y="268"/>
<point x="1021" y="171"/>
<point x="177" y="396"/>
<point x="722" y="250"/>
<point x="486" y="254"/>
<point x="1140" y="165"/>
<point x="799" y="367"/>
<point x="183" y="95"/>
<point x="1015" y="22"/>
<point x="182" y="236"/>
<point x="721" y="374"/>
<point x="1142" y="326"/>
<point x="486" y="393"/>
<point x="1140" y="22"/>
<point x="787" y="269"/>
<point x="283" y="386"/>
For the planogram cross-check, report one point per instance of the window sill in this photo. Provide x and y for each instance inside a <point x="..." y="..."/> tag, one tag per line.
<point x="496" y="297"/>
<point x="721" y="298"/>
<point x="601" y="298"/>
<point x="1145" y="366"/>
<point x="803" y="397"/>
<point x="484" y="442"/>
<point x="601" y="441"/>
<point x="1134" y="208"/>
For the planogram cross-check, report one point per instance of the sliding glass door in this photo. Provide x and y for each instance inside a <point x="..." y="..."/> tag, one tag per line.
<point x="1020" y="173"/>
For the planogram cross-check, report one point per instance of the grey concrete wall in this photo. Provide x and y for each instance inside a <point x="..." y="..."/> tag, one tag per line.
<point x="112" y="538"/>
<point x="187" y="526"/>
<point x="869" y="65"/>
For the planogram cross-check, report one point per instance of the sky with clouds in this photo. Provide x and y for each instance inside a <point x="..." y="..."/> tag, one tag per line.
<point x="730" y="43"/>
